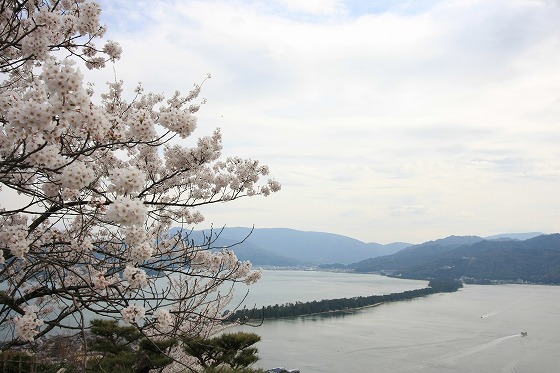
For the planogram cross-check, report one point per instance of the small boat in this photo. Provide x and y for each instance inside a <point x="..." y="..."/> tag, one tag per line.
<point x="523" y="334"/>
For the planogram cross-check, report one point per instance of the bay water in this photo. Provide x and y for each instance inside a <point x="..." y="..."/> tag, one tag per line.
<point x="476" y="329"/>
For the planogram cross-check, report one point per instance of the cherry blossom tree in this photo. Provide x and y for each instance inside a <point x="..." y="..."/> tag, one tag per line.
<point x="108" y="191"/>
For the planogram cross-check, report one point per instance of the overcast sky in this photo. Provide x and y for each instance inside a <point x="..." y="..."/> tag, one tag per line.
<point x="385" y="120"/>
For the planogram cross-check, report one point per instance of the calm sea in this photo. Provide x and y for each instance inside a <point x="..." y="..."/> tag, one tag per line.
<point x="476" y="329"/>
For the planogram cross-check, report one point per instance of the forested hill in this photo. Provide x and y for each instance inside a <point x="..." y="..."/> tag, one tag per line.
<point x="535" y="260"/>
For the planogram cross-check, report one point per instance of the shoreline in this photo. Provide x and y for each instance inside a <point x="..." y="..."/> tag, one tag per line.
<point x="330" y="306"/>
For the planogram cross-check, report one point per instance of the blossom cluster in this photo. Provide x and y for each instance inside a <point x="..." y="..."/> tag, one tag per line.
<point x="76" y="175"/>
<point x="127" y="211"/>
<point x="53" y="25"/>
<point x="135" y="235"/>
<point x="126" y="180"/>
<point x="64" y="79"/>
<point x="28" y="324"/>
<point x="141" y="126"/>
<point x="113" y="50"/>
<point x="181" y="122"/>
<point x="133" y="314"/>
<point x="48" y="157"/>
<point x="14" y="238"/>
<point x="140" y="253"/>
<point x="27" y="117"/>
<point x="253" y="277"/>
<point x="163" y="317"/>
<point x="99" y="281"/>
<point x="271" y="187"/>
<point x="226" y="260"/>
<point x="136" y="277"/>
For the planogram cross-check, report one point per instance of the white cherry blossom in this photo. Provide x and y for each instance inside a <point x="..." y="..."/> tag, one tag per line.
<point x="133" y="314"/>
<point x="28" y="324"/>
<point x="136" y="277"/>
<point x="109" y="188"/>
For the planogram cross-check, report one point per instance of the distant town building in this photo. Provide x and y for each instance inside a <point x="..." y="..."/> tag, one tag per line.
<point x="282" y="370"/>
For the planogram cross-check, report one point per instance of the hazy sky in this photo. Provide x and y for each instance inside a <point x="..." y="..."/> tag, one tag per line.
<point x="384" y="120"/>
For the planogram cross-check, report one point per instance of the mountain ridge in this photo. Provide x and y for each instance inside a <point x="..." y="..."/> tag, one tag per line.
<point x="535" y="260"/>
<point x="286" y="247"/>
<point x="307" y="248"/>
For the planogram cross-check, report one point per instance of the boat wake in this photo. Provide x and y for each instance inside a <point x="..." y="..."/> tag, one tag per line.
<point x="494" y="313"/>
<point x="471" y="350"/>
<point x="509" y="307"/>
<point x="404" y="346"/>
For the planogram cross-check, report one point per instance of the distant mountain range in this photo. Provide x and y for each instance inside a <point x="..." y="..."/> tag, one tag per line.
<point x="527" y="257"/>
<point x="501" y="257"/>
<point x="289" y="247"/>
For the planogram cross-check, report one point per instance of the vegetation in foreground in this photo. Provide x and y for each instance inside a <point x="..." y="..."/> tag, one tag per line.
<point x="122" y="349"/>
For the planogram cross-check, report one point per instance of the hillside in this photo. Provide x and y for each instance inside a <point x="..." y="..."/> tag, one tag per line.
<point x="414" y="255"/>
<point x="475" y="259"/>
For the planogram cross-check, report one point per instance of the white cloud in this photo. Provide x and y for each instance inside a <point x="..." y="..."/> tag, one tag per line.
<point x="315" y="7"/>
<point x="435" y="104"/>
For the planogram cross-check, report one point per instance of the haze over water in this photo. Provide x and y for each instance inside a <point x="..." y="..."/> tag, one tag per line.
<point x="476" y="329"/>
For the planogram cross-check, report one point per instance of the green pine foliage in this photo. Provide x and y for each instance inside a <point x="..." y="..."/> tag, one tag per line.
<point x="123" y="349"/>
<point x="233" y="350"/>
<point x="152" y="352"/>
